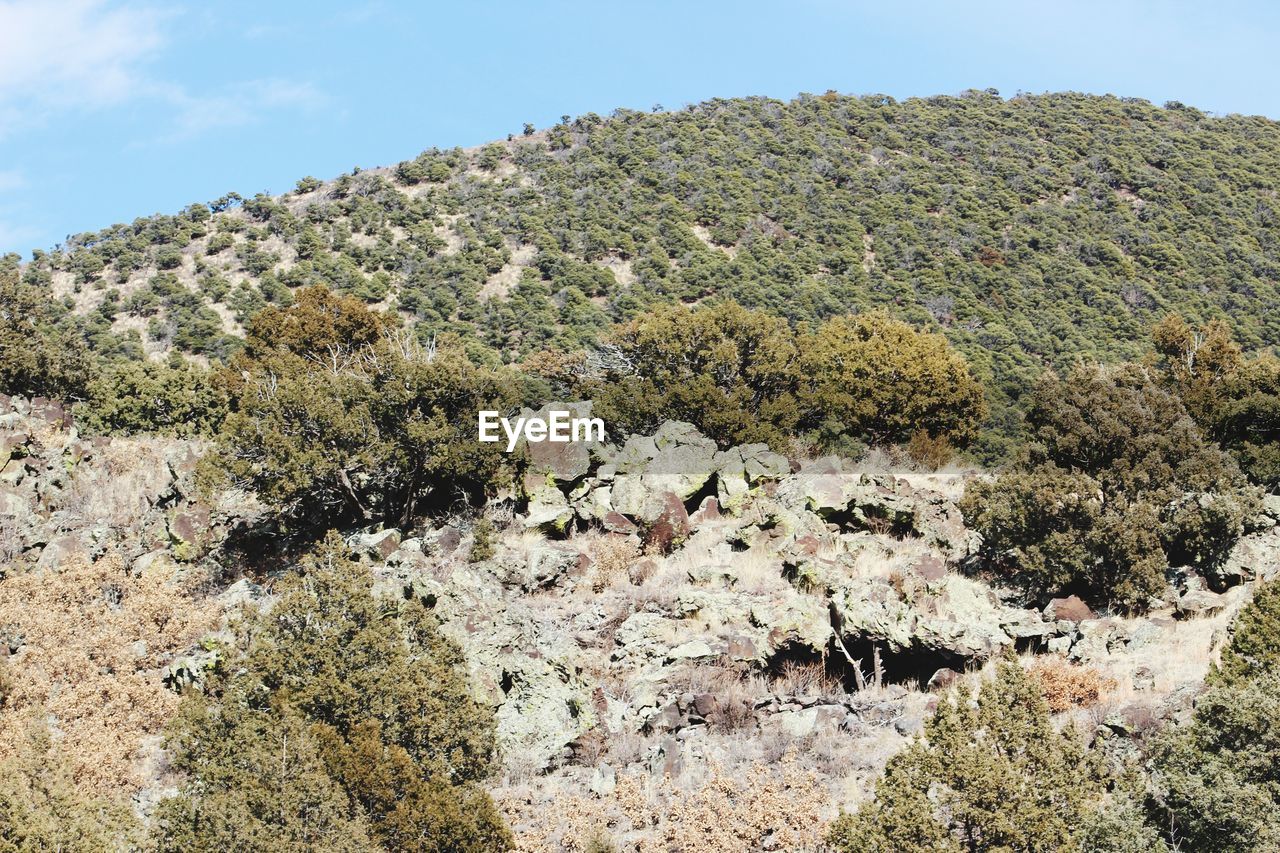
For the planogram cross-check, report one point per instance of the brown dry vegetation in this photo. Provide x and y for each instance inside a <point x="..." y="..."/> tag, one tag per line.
<point x="725" y="812"/>
<point x="94" y="641"/>
<point x="1066" y="685"/>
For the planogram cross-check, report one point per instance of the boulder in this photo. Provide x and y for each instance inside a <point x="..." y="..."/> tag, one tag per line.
<point x="563" y="462"/>
<point x="549" y="511"/>
<point x="59" y="551"/>
<point x="668" y="525"/>
<point x="378" y="545"/>
<point x="534" y="567"/>
<point x="957" y="618"/>
<point x="1069" y="609"/>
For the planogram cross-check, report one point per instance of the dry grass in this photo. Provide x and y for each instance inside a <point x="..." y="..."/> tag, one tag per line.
<point x="613" y="557"/>
<point x="723" y="812"/>
<point x="95" y="638"/>
<point x="1067" y="685"/>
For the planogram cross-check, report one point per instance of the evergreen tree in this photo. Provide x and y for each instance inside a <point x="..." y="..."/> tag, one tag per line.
<point x="342" y="720"/>
<point x="987" y="775"/>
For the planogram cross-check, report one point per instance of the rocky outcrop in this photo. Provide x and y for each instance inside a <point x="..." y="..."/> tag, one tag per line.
<point x="63" y="495"/>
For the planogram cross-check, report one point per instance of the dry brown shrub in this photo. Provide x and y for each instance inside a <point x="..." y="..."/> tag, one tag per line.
<point x="806" y="679"/>
<point x="727" y="812"/>
<point x="929" y="452"/>
<point x="612" y="556"/>
<point x="94" y="641"/>
<point x="1066" y="685"/>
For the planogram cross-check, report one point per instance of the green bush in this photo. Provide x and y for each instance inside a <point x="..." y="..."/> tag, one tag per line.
<point x="1254" y="649"/>
<point x="1236" y="400"/>
<point x="42" y="809"/>
<point x="173" y="398"/>
<point x="337" y="417"/>
<point x="987" y="775"/>
<point x="1117" y="485"/>
<point x="1219" y="776"/>
<point x="744" y="376"/>
<point x="885" y="382"/>
<point x="39" y="355"/>
<point x="342" y="722"/>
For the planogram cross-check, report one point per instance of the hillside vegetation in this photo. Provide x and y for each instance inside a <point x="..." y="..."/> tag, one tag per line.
<point x="1032" y="230"/>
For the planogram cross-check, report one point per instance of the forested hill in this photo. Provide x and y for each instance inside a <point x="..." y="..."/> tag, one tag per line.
<point x="1033" y="230"/>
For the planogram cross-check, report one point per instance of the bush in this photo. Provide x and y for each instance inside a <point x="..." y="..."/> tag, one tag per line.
<point x="1255" y="639"/>
<point x="1219" y="777"/>
<point x="397" y="418"/>
<point x="744" y="376"/>
<point x="38" y="355"/>
<point x="42" y="809"/>
<point x="990" y="775"/>
<point x="887" y="383"/>
<point x="729" y="371"/>
<point x="342" y="721"/>
<point x="1117" y="485"/>
<point x="174" y="398"/>
<point x="1235" y="400"/>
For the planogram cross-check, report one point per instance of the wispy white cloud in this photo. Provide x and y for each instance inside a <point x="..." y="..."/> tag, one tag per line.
<point x="62" y="55"/>
<point x="59" y="53"/>
<point x="241" y="104"/>
<point x="11" y="179"/>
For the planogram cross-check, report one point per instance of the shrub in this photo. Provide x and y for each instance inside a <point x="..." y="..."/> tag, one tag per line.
<point x="1219" y="777"/>
<point x="42" y="809"/>
<point x="343" y="721"/>
<point x="1255" y="639"/>
<point x="745" y="376"/>
<point x="885" y="382"/>
<point x="1118" y="484"/>
<point x="38" y="357"/>
<point x="397" y="417"/>
<point x="1236" y="400"/>
<point x="729" y="371"/>
<point x="83" y="625"/>
<point x="174" y="398"/>
<point x="1066" y="685"/>
<point x="990" y="775"/>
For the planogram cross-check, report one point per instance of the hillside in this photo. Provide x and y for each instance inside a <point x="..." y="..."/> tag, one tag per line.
<point x="1033" y="230"/>
<point x="934" y="503"/>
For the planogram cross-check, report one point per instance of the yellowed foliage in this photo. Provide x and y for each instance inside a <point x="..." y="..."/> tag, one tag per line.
<point x="1066" y="685"/>
<point x="728" y="812"/>
<point x="95" y="640"/>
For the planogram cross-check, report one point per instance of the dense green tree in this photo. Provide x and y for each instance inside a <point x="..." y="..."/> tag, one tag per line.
<point x="744" y="376"/>
<point x="341" y="720"/>
<point x="1235" y="400"/>
<point x="1219" y="776"/>
<point x="1117" y="485"/>
<point x="883" y="381"/>
<point x="1254" y="649"/>
<point x="730" y="371"/>
<point x="991" y="774"/>
<point x="336" y="416"/>
<point x="38" y="356"/>
<point x="173" y="398"/>
<point x="41" y="808"/>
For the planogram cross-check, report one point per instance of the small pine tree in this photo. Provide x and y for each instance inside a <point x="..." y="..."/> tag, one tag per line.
<point x="990" y="775"/>
<point x="345" y="720"/>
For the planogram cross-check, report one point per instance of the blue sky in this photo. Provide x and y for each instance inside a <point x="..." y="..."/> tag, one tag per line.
<point x="112" y="110"/>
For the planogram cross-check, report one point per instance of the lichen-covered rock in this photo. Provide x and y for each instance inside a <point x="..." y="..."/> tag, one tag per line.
<point x="548" y="510"/>
<point x="535" y="566"/>
<point x="957" y="618"/>
<point x="565" y="462"/>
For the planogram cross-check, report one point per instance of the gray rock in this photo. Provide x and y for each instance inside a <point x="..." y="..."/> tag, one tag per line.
<point x="378" y="545"/>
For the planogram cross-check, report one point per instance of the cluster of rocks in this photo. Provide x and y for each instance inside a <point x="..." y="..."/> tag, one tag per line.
<point x="62" y="495"/>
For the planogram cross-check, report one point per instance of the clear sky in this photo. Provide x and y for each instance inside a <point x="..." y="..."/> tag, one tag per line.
<point x="113" y="110"/>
